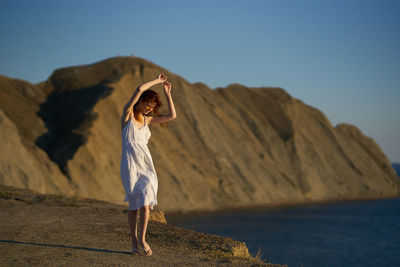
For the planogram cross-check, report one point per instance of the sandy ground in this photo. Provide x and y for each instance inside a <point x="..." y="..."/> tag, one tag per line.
<point x="48" y="230"/>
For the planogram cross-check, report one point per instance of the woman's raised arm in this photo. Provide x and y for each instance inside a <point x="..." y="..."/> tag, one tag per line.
<point x="128" y="108"/>
<point x="172" y="112"/>
<point x="160" y="79"/>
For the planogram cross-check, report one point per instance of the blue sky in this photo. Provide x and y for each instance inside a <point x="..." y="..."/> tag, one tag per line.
<point x="341" y="57"/>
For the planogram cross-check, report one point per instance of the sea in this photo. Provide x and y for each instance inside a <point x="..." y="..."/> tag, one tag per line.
<point x="353" y="233"/>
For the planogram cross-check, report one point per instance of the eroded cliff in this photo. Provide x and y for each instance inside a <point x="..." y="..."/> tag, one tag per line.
<point x="232" y="146"/>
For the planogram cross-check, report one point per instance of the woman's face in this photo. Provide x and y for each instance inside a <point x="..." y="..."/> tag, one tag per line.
<point x="147" y="106"/>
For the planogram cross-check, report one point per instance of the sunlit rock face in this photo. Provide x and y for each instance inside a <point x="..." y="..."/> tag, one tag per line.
<point x="228" y="147"/>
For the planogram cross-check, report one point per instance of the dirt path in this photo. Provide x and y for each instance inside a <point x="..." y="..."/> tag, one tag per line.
<point x="39" y="229"/>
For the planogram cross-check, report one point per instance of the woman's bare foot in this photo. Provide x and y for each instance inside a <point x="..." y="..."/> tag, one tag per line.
<point x="146" y="248"/>
<point x="135" y="247"/>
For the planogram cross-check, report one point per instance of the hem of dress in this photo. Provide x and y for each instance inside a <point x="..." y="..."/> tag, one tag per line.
<point x="151" y="205"/>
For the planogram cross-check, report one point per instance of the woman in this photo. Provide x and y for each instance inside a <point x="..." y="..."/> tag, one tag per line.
<point x="138" y="175"/>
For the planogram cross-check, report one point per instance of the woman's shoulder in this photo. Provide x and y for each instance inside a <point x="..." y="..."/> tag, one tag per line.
<point x="125" y="122"/>
<point x="148" y="119"/>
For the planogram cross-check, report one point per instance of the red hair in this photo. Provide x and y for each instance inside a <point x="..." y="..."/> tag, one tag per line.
<point x="148" y="96"/>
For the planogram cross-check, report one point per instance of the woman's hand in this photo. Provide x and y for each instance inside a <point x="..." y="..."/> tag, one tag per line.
<point x="167" y="88"/>
<point x="162" y="78"/>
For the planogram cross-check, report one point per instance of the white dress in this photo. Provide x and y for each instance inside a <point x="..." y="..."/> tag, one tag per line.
<point x="138" y="174"/>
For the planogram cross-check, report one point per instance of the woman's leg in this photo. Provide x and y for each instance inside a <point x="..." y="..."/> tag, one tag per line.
<point x="132" y="219"/>
<point x="144" y="219"/>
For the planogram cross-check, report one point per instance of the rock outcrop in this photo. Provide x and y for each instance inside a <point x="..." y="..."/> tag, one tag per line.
<point x="228" y="147"/>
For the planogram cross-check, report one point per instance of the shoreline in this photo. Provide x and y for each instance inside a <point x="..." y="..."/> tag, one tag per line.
<point x="56" y="229"/>
<point x="279" y="205"/>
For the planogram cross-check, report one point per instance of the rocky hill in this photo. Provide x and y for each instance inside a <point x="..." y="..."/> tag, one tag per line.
<point x="396" y="167"/>
<point x="228" y="147"/>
